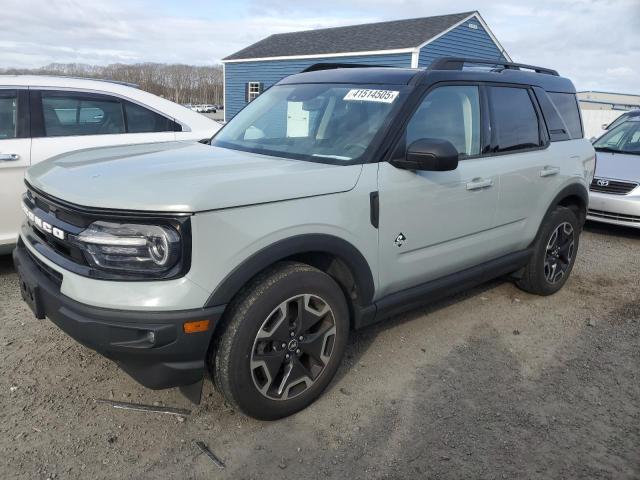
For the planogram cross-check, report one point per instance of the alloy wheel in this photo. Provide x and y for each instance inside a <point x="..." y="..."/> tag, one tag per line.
<point x="293" y="347"/>
<point x="559" y="253"/>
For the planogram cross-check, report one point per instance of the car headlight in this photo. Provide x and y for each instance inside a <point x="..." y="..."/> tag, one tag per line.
<point x="128" y="248"/>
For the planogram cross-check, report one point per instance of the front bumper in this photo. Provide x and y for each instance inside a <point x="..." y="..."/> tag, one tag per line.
<point x="615" y="209"/>
<point x="150" y="346"/>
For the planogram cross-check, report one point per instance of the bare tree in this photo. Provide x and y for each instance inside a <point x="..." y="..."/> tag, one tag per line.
<point x="177" y="82"/>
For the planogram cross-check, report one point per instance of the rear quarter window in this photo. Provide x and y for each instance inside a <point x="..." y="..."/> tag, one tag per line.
<point x="514" y="120"/>
<point x="142" y="120"/>
<point x="567" y="107"/>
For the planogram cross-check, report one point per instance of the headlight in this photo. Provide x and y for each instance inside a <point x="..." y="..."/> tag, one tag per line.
<point x="130" y="248"/>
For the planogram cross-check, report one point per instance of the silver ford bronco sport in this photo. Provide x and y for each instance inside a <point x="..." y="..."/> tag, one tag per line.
<point x="336" y="199"/>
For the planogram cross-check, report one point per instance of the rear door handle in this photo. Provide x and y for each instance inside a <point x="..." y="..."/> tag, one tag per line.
<point x="478" y="183"/>
<point x="9" y="157"/>
<point x="549" y="170"/>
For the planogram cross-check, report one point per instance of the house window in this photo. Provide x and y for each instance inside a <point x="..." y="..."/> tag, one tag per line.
<point x="253" y="90"/>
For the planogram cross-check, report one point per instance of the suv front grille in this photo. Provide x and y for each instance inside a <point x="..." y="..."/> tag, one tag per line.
<point x="615" y="187"/>
<point x="72" y="222"/>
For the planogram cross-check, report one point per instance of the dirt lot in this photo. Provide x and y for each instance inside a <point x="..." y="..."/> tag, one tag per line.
<point x="492" y="384"/>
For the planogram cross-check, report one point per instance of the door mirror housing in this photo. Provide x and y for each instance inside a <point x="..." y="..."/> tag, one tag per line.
<point x="429" y="154"/>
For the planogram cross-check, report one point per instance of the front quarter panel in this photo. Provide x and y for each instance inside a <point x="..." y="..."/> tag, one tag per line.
<point x="224" y="239"/>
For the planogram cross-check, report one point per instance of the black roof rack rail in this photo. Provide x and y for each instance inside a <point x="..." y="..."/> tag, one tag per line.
<point x="330" y="66"/>
<point x="457" y="63"/>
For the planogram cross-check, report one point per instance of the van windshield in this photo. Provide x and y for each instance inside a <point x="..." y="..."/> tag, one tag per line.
<point x="332" y="123"/>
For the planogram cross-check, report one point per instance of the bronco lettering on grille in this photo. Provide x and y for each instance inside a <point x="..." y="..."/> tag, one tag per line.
<point x="42" y="225"/>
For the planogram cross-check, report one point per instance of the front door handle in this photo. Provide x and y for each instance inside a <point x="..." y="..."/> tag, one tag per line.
<point x="9" y="157"/>
<point x="478" y="183"/>
<point x="549" y="170"/>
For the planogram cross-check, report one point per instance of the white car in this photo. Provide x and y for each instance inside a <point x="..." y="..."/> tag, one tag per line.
<point x="614" y="195"/>
<point x="44" y="116"/>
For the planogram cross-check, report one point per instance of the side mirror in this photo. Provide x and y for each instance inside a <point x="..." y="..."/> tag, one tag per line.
<point x="592" y="139"/>
<point x="429" y="154"/>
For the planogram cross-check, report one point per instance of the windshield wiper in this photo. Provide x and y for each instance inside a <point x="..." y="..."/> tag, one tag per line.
<point x="607" y="149"/>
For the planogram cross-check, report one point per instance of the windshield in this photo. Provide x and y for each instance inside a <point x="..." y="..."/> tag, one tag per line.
<point x="332" y="123"/>
<point x="622" y="118"/>
<point x="625" y="138"/>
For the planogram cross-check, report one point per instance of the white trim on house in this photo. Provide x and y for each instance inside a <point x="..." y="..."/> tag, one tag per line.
<point x="224" y="94"/>
<point x="444" y="32"/>
<point x="322" y="55"/>
<point x="415" y="58"/>
<point x="415" y="51"/>
<point x="493" y="37"/>
<point x="479" y="18"/>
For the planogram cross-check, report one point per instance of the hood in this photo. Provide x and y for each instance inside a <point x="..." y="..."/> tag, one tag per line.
<point x="183" y="177"/>
<point x="618" y="166"/>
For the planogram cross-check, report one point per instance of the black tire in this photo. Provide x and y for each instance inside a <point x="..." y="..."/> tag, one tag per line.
<point x="544" y="266"/>
<point x="268" y="306"/>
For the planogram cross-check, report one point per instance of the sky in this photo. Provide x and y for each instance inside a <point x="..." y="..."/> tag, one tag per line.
<point x="596" y="43"/>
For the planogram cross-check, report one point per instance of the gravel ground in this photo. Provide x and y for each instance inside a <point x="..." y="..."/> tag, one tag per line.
<point x="494" y="383"/>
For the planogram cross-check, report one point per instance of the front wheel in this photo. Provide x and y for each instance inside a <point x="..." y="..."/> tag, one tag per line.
<point x="283" y="342"/>
<point x="554" y="253"/>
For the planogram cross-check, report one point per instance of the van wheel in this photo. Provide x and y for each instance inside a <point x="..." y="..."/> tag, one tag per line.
<point x="283" y="341"/>
<point x="554" y="253"/>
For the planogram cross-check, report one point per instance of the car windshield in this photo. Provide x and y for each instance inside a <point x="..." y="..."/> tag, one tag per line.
<point x="622" y="118"/>
<point x="625" y="138"/>
<point x="332" y="123"/>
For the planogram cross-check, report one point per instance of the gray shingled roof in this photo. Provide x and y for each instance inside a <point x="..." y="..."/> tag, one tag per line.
<point x="391" y="35"/>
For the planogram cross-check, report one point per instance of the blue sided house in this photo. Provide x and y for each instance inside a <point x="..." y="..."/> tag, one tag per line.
<point x="412" y="43"/>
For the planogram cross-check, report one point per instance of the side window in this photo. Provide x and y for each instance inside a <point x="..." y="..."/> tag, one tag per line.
<point x="8" y="114"/>
<point x="514" y="119"/>
<point x="567" y="106"/>
<point x="77" y="113"/>
<point x="142" y="120"/>
<point x="449" y="113"/>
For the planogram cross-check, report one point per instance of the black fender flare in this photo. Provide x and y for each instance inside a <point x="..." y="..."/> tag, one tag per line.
<point x="299" y="244"/>
<point x="572" y="190"/>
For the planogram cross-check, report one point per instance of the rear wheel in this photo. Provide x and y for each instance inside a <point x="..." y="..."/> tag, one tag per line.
<point x="283" y="342"/>
<point x="554" y="253"/>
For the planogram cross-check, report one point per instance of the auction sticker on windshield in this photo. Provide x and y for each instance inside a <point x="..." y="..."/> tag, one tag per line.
<point x="367" y="95"/>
